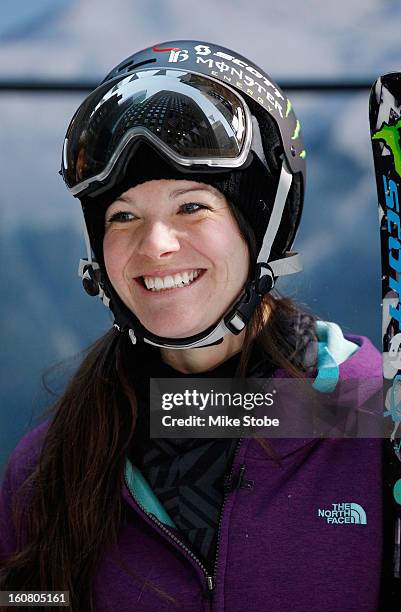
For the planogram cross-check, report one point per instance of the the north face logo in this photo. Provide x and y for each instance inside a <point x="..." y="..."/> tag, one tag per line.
<point x="347" y="512"/>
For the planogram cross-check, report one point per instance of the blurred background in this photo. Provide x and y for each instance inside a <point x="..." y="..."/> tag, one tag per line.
<point x="46" y="317"/>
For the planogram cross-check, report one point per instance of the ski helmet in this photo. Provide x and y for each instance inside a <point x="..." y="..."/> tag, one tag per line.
<point x="209" y="115"/>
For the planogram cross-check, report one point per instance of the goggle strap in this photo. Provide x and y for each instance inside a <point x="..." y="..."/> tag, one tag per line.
<point x="276" y="215"/>
<point x="256" y="144"/>
<point x="87" y="242"/>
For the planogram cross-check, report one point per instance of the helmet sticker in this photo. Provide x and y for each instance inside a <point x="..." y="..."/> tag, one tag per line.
<point x="181" y="55"/>
<point x="297" y="131"/>
<point x="158" y="50"/>
<point x="237" y="72"/>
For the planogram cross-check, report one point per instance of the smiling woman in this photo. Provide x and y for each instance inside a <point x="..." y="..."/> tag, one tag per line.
<point x="190" y="167"/>
<point x="190" y="233"/>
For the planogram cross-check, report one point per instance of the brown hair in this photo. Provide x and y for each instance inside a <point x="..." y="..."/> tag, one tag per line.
<point x="69" y="510"/>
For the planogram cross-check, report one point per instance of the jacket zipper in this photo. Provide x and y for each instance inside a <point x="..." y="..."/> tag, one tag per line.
<point x="213" y="578"/>
<point x="209" y="579"/>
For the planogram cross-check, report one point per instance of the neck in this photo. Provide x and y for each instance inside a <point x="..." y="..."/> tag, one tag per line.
<point x="205" y="358"/>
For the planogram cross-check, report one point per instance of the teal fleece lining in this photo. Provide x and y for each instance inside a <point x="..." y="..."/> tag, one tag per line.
<point x="333" y="349"/>
<point x="144" y="495"/>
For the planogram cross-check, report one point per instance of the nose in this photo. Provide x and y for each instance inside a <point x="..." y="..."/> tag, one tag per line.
<point x="158" y="240"/>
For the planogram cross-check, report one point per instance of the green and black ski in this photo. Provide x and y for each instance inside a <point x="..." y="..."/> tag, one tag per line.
<point x="385" y="128"/>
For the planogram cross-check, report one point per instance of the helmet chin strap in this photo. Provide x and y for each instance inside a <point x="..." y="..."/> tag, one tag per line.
<point x="238" y="316"/>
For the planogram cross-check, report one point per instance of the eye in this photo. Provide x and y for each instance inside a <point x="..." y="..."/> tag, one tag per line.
<point x="190" y="205"/>
<point x="120" y="217"/>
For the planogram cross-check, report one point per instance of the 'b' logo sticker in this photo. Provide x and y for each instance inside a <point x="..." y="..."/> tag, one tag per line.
<point x="178" y="56"/>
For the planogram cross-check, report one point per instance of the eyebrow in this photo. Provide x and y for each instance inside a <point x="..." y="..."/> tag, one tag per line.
<point x="178" y="192"/>
<point x="122" y="198"/>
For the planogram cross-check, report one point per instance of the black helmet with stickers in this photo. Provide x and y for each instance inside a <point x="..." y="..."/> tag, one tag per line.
<point x="209" y="115"/>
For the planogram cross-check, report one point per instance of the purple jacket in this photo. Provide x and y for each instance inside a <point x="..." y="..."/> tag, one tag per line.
<point x="276" y="549"/>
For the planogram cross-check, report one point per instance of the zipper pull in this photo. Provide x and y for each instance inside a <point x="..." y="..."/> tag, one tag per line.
<point x="240" y="476"/>
<point x="210" y="582"/>
<point x="232" y="482"/>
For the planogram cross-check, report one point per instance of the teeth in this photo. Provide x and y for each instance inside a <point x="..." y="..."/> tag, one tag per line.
<point x="167" y="282"/>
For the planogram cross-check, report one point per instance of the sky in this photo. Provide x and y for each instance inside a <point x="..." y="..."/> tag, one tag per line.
<point x="349" y="38"/>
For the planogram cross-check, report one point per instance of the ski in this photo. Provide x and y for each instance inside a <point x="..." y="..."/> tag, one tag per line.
<point x="385" y="129"/>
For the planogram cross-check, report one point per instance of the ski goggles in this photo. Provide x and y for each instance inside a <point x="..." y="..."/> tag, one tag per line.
<point x="197" y="122"/>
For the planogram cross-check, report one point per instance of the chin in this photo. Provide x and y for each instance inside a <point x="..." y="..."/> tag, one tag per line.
<point x="166" y="331"/>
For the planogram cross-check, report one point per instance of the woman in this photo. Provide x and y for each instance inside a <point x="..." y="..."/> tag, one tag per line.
<point x="189" y="166"/>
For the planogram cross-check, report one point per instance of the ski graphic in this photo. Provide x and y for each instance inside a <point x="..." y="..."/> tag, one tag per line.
<point x="385" y="128"/>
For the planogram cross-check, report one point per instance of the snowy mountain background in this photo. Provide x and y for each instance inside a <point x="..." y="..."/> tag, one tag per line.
<point x="46" y="317"/>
